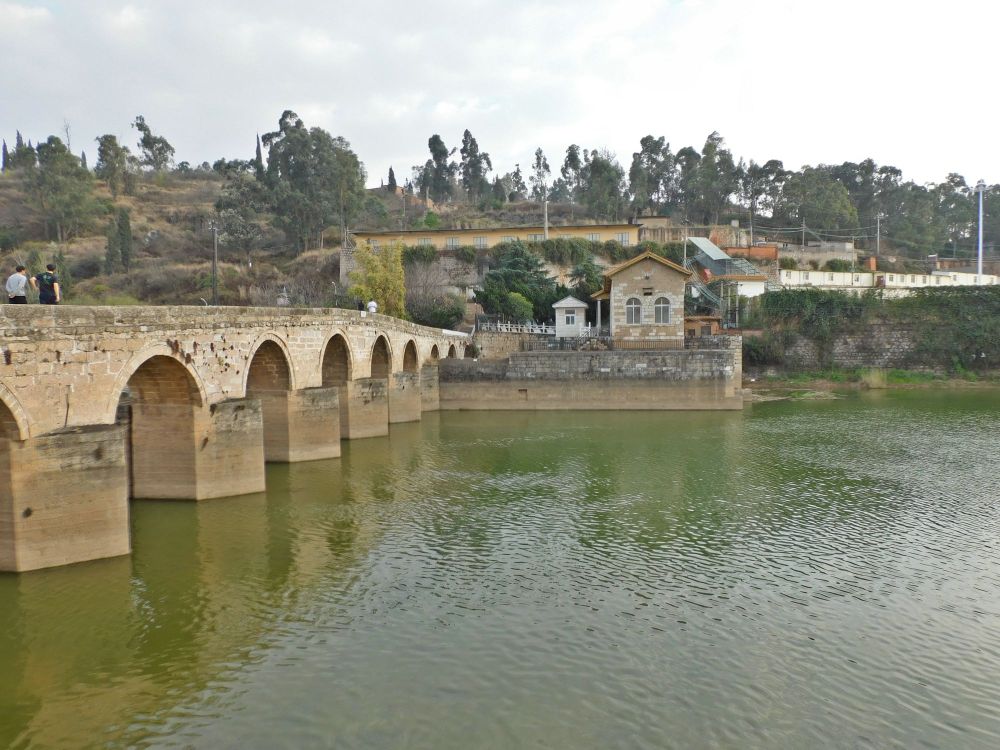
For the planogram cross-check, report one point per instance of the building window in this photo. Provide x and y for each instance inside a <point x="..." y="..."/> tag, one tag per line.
<point x="571" y="317"/>
<point x="857" y="278"/>
<point x="661" y="310"/>
<point x="594" y="237"/>
<point x="633" y="312"/>
<point x="452" y="243"/>
<point x="536" y="237"/>
<point x="913" y="279"/>
<point x="374" y="244"/>
<point x="480" y="243"/>
<point x="424" y="241"/>
<point x="890" y="277"/>
<point x="829" y="277"/>
<point x="788" y="274"/>
<point x="622" y="238"/>
<point x="508" y="238"/>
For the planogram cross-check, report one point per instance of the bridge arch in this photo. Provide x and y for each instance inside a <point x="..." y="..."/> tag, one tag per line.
<point x="410" y="363"/>
<point x="381" y="358"/>
<point x="452" y="352"/>
<point x="269" y="366"/>
<point x="336" y="361"/>
<point x="139" y="359"/>
<point x="435" y="354"/>
<point x="13" y="420"/>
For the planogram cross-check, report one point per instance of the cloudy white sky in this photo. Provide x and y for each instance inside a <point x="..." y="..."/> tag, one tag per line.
<point x="804" y="81"/>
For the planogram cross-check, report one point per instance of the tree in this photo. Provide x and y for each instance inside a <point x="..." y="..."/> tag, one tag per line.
<point x="64" y="273"/>
<point x="313" y="179"/>
<point x="391" y="185"/>
<point x="112" y="164"/>
<point x="155" y="151"/>
<point x="258" y="161"/>
<point x="518" y="270"/>
<point x="112" y="249"/>
<point x="4" y="158"/>
<point x="439" y="181"/>
<point x="518" y="190"/>
<point x="125" y="238"/>
<point x="571" y="170"/>
<point x="83" y="160"/>
<point x="813" y="197"/>
<point x="587" y="278"/>
<point x="715" y="180"/>
<point x="601" y="186"/>
<point x="62" y="188"/>
<point x="378" y="275"/>
<point x="474" y="167"/>
<point x="759" y="185"/>
<point x="24" y="156"/>
<point x="651" y="175"/>
<point x="687" y="175"/>
<point x="239" y="207"/>
<point x="539" y="176"/>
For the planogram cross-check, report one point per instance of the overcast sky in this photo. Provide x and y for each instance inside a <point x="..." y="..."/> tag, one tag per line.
<point x="803" y="81"/>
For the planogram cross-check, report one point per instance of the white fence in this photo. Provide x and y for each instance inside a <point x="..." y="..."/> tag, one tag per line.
<point x="500" y="327"/>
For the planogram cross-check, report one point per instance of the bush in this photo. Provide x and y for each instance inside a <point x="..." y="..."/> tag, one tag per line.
<point x="838" y="265"/>
<point x="466" y="254"/>
<point x="445" y="311"/>
<point x="419" y="254"/>
<point x="518" y="308"/>
<point x="762" y="350"/>
<point x="786" y="263"/>
<point x="87" y="267"/>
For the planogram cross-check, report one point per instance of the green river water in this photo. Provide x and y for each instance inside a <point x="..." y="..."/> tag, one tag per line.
<point x="799" y="575"/>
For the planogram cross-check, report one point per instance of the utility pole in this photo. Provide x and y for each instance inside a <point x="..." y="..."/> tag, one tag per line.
<point x="878" y="233"/>
<point x="980" y="187"/>
<point x="545" y="229"/>
<point x="215" y="264"/>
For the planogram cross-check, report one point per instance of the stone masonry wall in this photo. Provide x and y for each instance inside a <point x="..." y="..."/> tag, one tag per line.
<point x="878" y="345"/>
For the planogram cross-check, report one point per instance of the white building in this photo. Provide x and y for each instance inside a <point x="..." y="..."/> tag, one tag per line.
<point x="571" y="317"/>
<point x="899" y="283"/>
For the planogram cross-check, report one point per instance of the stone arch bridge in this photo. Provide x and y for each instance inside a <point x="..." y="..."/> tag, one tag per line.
<point x="99" y="404"/>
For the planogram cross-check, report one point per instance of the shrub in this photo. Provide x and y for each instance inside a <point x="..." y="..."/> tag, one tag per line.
<point x="762" y="350"/>
<point x="87" y="267"/>
<point x="419" y="254"/>
<point x="785" y="263"/>
<point x="838" y="265"/>
<point x="445" y="311"/>
<point x="466" y="254"/>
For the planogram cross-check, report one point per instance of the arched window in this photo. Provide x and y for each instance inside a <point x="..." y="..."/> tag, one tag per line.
<point x="633" y="312"/>
<point x="661" y="310"/>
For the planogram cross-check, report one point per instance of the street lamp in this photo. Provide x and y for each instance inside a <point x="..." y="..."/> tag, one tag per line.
<point x="980" y="188"/>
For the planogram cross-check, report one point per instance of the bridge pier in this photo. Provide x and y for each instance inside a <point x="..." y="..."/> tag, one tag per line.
<point x="364" y="408"/>
<point x="63" y="498"/>
<point x="429" y="393"/>
<point x="184" y="452"/>
<point x="302" y="425"/>
<point x="404" y="397"/>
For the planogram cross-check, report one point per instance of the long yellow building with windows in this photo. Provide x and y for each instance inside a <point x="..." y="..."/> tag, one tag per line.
<point x="481" y="239"/>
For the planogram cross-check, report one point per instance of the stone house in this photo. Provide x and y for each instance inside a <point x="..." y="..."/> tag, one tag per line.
<point x="645" y="299"/>
<point x="571" y="317"/>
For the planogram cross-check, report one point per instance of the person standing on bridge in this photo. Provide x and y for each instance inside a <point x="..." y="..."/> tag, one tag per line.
<point x="17" y="287"/>
<point x="47" y="285"/>
<point x="372" y="306"/>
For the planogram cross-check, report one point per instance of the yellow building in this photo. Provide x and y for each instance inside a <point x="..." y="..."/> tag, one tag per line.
<point x="481" y="239"/>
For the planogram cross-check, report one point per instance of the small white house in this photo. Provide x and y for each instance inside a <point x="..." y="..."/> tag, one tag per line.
<point x="571" y="317"/>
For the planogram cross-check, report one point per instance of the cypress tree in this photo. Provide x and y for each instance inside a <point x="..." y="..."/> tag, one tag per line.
<point x="4" y="158"/>
<point x="392" y="181"/>
<point x="112" y="252"/>
<point x="258" y="162"/>
<point x="83" y="160"/>
<point x="125" y="238"/>
<point x="62" y="270"/>
<point x="18" y="141"/>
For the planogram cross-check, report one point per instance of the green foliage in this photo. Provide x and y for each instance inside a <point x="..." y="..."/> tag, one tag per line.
<point x="156" y="152"/>
<point x="521" y="271"/>
<point x="379" y="276"/>
<point x="10" y="238"/>
<point x="613" y="251"/>
<point x="817" y="199"/>
<point x="125" y="238"/>
<point x="763" y="350"/>
<point x="563" y="251"/>
<point x="474" y="167"/>
<point x="443" y="311"/>
<point x="518" y="308"/>
<point x="587" y="278"/>
<point x="62" y="189"/>
<point x="786" y="263"/>
<point x="837" y="265"/>
<point x="419" y="254"/>
<point x="466" y="254"/>
<point x="958" y="328"/>
<point x="112" y="249"/>
<point x="431" y="220"/>
<point x="601" y="187"/>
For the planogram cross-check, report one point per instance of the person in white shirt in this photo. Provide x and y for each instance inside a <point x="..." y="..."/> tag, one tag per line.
<point x="17" y="287"/>
<point x="372" y="306"/>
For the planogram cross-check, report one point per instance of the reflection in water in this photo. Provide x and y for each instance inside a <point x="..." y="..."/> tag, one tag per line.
<point x="798" y="575"/>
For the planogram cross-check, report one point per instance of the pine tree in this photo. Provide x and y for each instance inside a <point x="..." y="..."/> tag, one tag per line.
<point x="392" y="181"/>
<point x="125" y="238"/>
<point x="5" y="158"/>
<point x="112" y="252"/>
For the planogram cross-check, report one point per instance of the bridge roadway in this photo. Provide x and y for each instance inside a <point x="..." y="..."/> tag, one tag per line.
<point x="100" y="404"/>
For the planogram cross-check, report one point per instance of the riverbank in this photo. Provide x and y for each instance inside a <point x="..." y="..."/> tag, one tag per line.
<point x="864" y="379"/>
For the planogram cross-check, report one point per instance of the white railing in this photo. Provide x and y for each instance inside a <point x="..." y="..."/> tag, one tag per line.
<point x="500" y="327"/>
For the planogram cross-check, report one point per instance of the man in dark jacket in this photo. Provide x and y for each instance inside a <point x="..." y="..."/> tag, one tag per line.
<point x="47" y="285"/>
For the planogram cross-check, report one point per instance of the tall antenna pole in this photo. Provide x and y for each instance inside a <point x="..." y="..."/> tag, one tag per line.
<point x="980" y="187"/>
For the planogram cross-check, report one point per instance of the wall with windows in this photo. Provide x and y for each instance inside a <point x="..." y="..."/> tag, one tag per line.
<point x="647" y="302"/>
